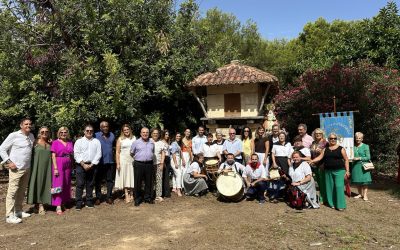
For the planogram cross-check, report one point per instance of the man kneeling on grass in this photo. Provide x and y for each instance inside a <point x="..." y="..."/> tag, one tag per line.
<point x="255" y="176"/>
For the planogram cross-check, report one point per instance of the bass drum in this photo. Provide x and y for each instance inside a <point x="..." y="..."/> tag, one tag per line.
<point x="231" y="186"/>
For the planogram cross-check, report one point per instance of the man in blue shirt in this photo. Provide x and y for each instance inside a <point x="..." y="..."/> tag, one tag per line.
<point x="106" y="168"/>
<point x="233" y="146"/>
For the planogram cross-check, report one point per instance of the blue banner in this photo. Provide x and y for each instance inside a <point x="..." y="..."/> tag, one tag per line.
<point x="342" y="124"/>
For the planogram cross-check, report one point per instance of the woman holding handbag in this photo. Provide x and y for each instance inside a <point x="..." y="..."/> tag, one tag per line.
<point x="359" y="176"/>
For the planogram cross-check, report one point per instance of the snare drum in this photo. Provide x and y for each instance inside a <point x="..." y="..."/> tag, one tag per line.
<point x="231" y="186"/>
<point x="212" y="165"/>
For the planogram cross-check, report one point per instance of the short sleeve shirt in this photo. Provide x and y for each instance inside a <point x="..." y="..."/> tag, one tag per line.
<point x="300" y="172"/>
<point x="254" y="173"/>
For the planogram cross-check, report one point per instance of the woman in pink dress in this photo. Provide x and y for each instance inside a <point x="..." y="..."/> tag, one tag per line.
<point x="62" y="157"/>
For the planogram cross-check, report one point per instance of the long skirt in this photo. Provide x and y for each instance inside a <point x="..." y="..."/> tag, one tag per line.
<point x="309" y="189"/>
<point x="124" y="177"/>
<point x="282" y="162"/>
<point x="193" y="185"/>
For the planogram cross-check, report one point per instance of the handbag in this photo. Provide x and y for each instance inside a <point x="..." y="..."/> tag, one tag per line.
<point x="55" y="190"/>
<point x="368" y="166"/>
<point x="274" y="174"/>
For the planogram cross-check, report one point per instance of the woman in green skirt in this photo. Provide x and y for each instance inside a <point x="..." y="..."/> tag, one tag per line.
<point x="40" y="179"/>
<point x="359" y="176"/>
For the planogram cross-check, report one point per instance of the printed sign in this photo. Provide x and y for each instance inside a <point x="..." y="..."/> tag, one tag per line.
<point x="342" y="124"/>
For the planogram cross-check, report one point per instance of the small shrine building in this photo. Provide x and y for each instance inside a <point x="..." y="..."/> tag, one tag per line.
<point x="234" y="96"/>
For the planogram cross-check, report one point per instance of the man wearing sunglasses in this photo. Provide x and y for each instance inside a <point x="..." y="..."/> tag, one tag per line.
<point x="16" y="153"/>
<point x="87" y="154"/>
<point x="233" y="146"/>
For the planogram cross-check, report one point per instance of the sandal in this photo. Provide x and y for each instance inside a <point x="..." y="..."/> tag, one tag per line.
<point x="365" y="198"/>
<point x="160" y="199"/>
<point x="59" y="211"/>
<point x="42" y="211"/>
<point x="358" y="196"/>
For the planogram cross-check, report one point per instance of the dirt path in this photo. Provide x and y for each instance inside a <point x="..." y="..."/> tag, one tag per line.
<point x="204" y="223"/>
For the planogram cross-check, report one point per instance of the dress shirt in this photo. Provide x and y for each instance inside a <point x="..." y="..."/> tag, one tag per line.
<point x="254" y="174"/>
<point x="17" y="147"/>
<point x="233" y="147"/>
<point x="107" y="155"/>
<point x="307" y="140"/>
<point x="142" y="150"/>
<point x="209" y="150"/>
<point x="197" y="143"/>
<point x="87" y="150"/>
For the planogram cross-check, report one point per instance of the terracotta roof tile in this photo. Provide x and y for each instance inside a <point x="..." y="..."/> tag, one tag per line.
<point x="233" y="73"/>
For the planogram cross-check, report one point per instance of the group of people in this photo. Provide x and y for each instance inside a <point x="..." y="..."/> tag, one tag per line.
<point x="143" y="167"/>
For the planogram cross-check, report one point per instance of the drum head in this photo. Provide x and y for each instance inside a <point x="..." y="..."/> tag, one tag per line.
<point x="229" y="184"/>
<point x="211" y="162"/>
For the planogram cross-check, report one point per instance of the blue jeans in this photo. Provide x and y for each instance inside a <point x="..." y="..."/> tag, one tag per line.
<point x="257" y="191"/>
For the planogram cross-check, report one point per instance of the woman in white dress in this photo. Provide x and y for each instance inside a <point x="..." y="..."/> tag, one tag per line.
<point x="124" y="174"/>
<point x="177" y="163"/>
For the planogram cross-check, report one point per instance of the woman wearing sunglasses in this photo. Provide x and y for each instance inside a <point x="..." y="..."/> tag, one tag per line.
<point x="40" y="179"/>
<point x="336" y="165"/>
<point x="62" y="155"/>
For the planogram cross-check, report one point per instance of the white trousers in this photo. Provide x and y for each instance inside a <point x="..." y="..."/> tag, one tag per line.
<point x="177" y="179"/>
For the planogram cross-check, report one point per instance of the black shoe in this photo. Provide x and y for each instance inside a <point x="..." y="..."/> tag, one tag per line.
<point x="150" y="201"/>
<point x="137" y="203"/>
<point x="89" y="205"/>
<point x="78" y="207"/>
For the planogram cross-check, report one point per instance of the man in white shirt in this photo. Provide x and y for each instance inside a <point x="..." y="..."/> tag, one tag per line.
<point x="255" y="177"/>
<point x="198" y="140"/>
<point x="16" y="152"/>
<point x="87" y="154"/>
<point x="210" y="149"/>
<point x="231" y="165"/>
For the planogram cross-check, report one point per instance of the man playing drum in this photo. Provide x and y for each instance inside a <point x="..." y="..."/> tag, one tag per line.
<point x="255" y="177"/>
<point x="230" y="165"/>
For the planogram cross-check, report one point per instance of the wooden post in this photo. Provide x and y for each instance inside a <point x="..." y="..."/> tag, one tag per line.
<point x="334" y="104"/>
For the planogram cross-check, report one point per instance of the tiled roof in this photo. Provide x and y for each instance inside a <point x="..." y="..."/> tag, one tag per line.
<point x="233" y="73"/>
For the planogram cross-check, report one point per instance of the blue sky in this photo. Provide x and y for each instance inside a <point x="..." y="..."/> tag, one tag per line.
<point x="286" y="18"/>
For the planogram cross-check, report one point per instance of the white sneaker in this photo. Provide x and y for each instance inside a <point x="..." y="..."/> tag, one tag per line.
<point x="22" y="214"/>
<point x="13" y="219"/>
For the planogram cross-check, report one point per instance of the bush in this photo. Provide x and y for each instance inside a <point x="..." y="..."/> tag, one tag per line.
<point x="374" y="91"/>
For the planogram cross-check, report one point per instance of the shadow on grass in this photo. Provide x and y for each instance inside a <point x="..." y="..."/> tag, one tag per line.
<point x="386" y="183"/>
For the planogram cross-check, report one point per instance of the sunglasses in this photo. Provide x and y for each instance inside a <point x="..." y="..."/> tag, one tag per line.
<point x="232" y="133"/>
<point x="247" y="131"/>
<point x="89" y="130"/>
<point x="44" y="132"/>
<point x="63" y="132"/>
<point x="334" y="139"/>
